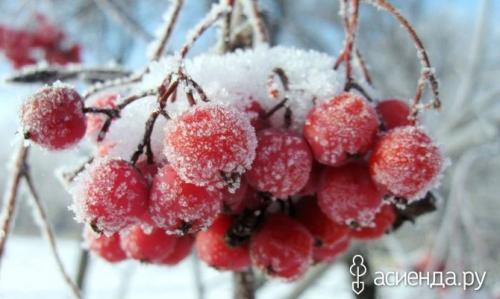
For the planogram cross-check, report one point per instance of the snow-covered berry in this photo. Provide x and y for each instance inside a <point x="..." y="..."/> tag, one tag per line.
<point x="382" y="224"/>
<point x="147" y="246"/>
<point x="107" y="247"/>
<point x="394" y="113"/>
<point x="182" y="248"/>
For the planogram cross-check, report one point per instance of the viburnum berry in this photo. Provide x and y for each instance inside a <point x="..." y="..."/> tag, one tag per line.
<point x="406" y="162"/>
<point x="53" y="118"/>
<point x="394" y="113"/>
<point x="148" y="170"/>
<point x="348" y="195"/>
<point x="382" y="224"/>
<point x="340" y="127"/>
<point x="330" y="238"/>
<point x="182" y="248"/>
<point x="256" y="115"/>
<point x="282" y="163"/>
<point x="234" y="201"/>
<point x="213" y="248"/>
<point x="210" y="142"/>
<point x="282" y="247"/>
<point x="147" y="246"/>
<point x="312" y="184"/>
<point x="181" y="207"/>
<point x="107" y="247"/>
<point x="110" y="195"/>
<point x="95" y="121"/>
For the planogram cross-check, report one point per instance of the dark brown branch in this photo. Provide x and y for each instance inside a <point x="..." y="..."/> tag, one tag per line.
<point x="70" y="176"/>
<point x="171" y="20"/>
<point x="244" y="284"/>
<point x="50" y="74"/>
<point x="82" y="269"/>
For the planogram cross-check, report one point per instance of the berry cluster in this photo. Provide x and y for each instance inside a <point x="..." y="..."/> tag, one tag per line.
<point x="45" y="43"/>
<point x="245" y="192"/>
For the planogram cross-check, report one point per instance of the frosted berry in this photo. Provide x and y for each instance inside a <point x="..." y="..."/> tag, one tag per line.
<point x="312" y="183"/>
<point x="348" y="196"/>
<point x="234" y="202"/>
<point x="107" y="247"/>
<point x="406" y="162"/>
<point x="340" y="127"/>
<point x="282" y="164"/>
<point x="212" y="248"/>
<point x="53" y="118"/>
<point x="182" y="249"/>
<point x="148" y="170"/>
<point x="95" y="121"/>
<point x="382" y="224"/>
<point x="147" y="246"/>
<point x="330" y="238"/>
<point x="282" y="247"/>
<point x="209" y="142"/>
<point x="394" y="113"/>
<point x="181" y="207"/>
<point x="110" y="195"/>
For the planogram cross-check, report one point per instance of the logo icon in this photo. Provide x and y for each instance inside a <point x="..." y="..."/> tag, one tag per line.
<point x="358" y="269"/>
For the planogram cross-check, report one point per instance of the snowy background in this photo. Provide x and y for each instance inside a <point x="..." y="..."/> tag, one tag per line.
<point x="460" y="35"/>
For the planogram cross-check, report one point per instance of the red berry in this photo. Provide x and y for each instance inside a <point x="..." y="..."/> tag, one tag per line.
<point x="107" y="247"/>
<point x="110" y="195"/>
<point x="394" y="113"/>
<point x="382" y="223"/>
<point x="148" y="170"/>
<point x="208" y="142"/>
<point x="256" y="115"/>
<point x="282" y="247"/>
<point x="182" y="249"/>
<point x="95" y="121"/>
<point x="406" y="162"/>
<point x="340" y="127"/>
<point x="234" y="202"/>
<point x="329" y="237"/>
<point x="150" y="246"/>
<point x="181" y="207"/>
<point x="312" y="184"/>
<point x="348" y="196"/>
<point x="282" y="164"/>
<point x="53" y="117"/>
<point x="213" y="249"/>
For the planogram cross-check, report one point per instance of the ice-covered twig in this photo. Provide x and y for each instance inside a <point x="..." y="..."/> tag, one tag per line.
<point x="117" y="13"/>
<point x="11" y="192"/>
<point x="170" y="20"/>
<point x="49" y="234"/>
<point x="244" y="284"/>
<point x="99" y="87"/>
<point x="427" y="72"/>
<point x="50" y="74"/>
<point x="226" y="28"/>
<point x="363" y="66"/>
<point x="261" y="35"/>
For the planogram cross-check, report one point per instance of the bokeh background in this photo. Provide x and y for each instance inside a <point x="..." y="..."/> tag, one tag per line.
<point x="463" y="234"/>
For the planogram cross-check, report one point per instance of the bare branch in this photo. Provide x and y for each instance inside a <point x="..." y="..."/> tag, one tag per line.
<point x="120" y="16"/>
<point x="261" y="35"/>
<point x="170" y="21"/>
<point x="244" y="284"/>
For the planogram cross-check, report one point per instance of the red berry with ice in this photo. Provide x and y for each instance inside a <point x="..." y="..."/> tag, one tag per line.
<point x="182" y="248"/>
<point x="330" y="238"/>
<point x="381" y="225"/>
<point x="234" y="200"/>
<point x="282" y="247"/>
<point x="213" y="248"/>
<point x="107" y="247"/>
<point x="208" y="142"/>
<point x="53" y="118"/>
<point x="282" y="164"/>
<point x="406" y="162"/>
<point x="340" y="127"/>
<point x="110" y="194"/>
<point x="147" y="246"/>
<point x="348" y="195"/>
<point x="181" y="207"/>
<point x="394" y="113"/>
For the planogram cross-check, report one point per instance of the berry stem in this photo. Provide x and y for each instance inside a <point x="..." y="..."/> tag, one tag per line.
<point x="244" y="284"/>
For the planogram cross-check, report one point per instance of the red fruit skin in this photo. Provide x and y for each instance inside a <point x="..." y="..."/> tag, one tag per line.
<point x="148" y="247"/>
<point x="182" y="249"/>
<point x="282" y="163"/>
<point x="148" y="170"/>
<point x="382" y="224"/>
<point x="212" y="248"/>
<point x="311" y="186"/>
<point x="234" y="203"/>
<point x="113" y="195"/>
<point x="53" y="118"/>
<point x="256" y="115"/>
<point x="343" y="126"/>
<point x="181" y="207"/>
<point x="208" y="140"/>
<point x="406" y="162"/>
<point x="347" y="195"/>
<point x="330" y="238"/>
<point x="282" y="248"/>
<point x="107" y="247"/>
<point x="95" y="121"/>
<point x="394" y="113"/>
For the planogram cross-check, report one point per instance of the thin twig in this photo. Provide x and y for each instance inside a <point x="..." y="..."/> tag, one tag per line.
<point x="226" y="28"/>
<point x="120" y="16"/>
<point x="244" y="284"/>
<point x="10" y="198"/>
<point x="99" y="87"/>
<point x="82" y="269"/>
<point x="261" y="35"/>
<point x="49" y="234"/>
<point x="170" y="21"/>
<point x="198" y="279"/>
